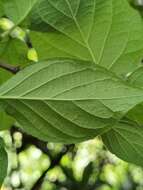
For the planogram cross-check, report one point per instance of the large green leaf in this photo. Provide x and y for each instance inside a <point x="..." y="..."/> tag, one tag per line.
<point x="106" y="32"/>
<point x="3" y="162"/>
<point x="67" y="100"/>
<point x="125" y="140"/>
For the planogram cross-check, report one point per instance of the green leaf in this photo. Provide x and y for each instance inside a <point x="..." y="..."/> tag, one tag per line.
<point x="108" y="33"/>
<point x="100" y="30"/>
<point x="5" y="120"/>
<point x="1" y="8"/>
<point x="125" y="141"/>
<point x="136" y="79"/>
<point x="18" y="10"/>
<point x="86" y="174"/>
<point x="67" y="100"/>
<point x="3" y="162"/>
<point x="13" y="52"/>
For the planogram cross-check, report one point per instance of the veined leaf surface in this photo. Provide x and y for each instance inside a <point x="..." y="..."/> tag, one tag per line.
<point x="67" y="100"/>
<point x="108" y="33"/>
<point x="125" y="140"/>
<point x="18" y="10"/>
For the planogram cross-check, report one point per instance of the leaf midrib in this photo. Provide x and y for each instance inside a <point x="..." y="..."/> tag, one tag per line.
<point x="62" y="99"/>
<point x="82" y="35"/>
<point x="86" y="43"/>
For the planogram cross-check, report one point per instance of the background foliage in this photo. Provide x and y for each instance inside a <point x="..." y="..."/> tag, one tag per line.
<point x="46" y="166"/>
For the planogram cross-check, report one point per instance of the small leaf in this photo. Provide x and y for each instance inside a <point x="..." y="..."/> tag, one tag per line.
<point x="125" y="141"/>
<point x="3" y="162"/>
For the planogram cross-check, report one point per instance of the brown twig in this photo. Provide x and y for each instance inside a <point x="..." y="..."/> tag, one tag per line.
<point x="10" y="68"/>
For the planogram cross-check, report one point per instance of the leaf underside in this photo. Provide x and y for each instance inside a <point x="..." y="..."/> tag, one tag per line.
<point x="77" y="97"/>
<point x="65" y="100"/>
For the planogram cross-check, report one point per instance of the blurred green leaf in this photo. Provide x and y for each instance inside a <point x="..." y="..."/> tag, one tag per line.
<point x="1" y="8"/>
<point x="87" y="173"/>
<point x="3" y="162"/>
